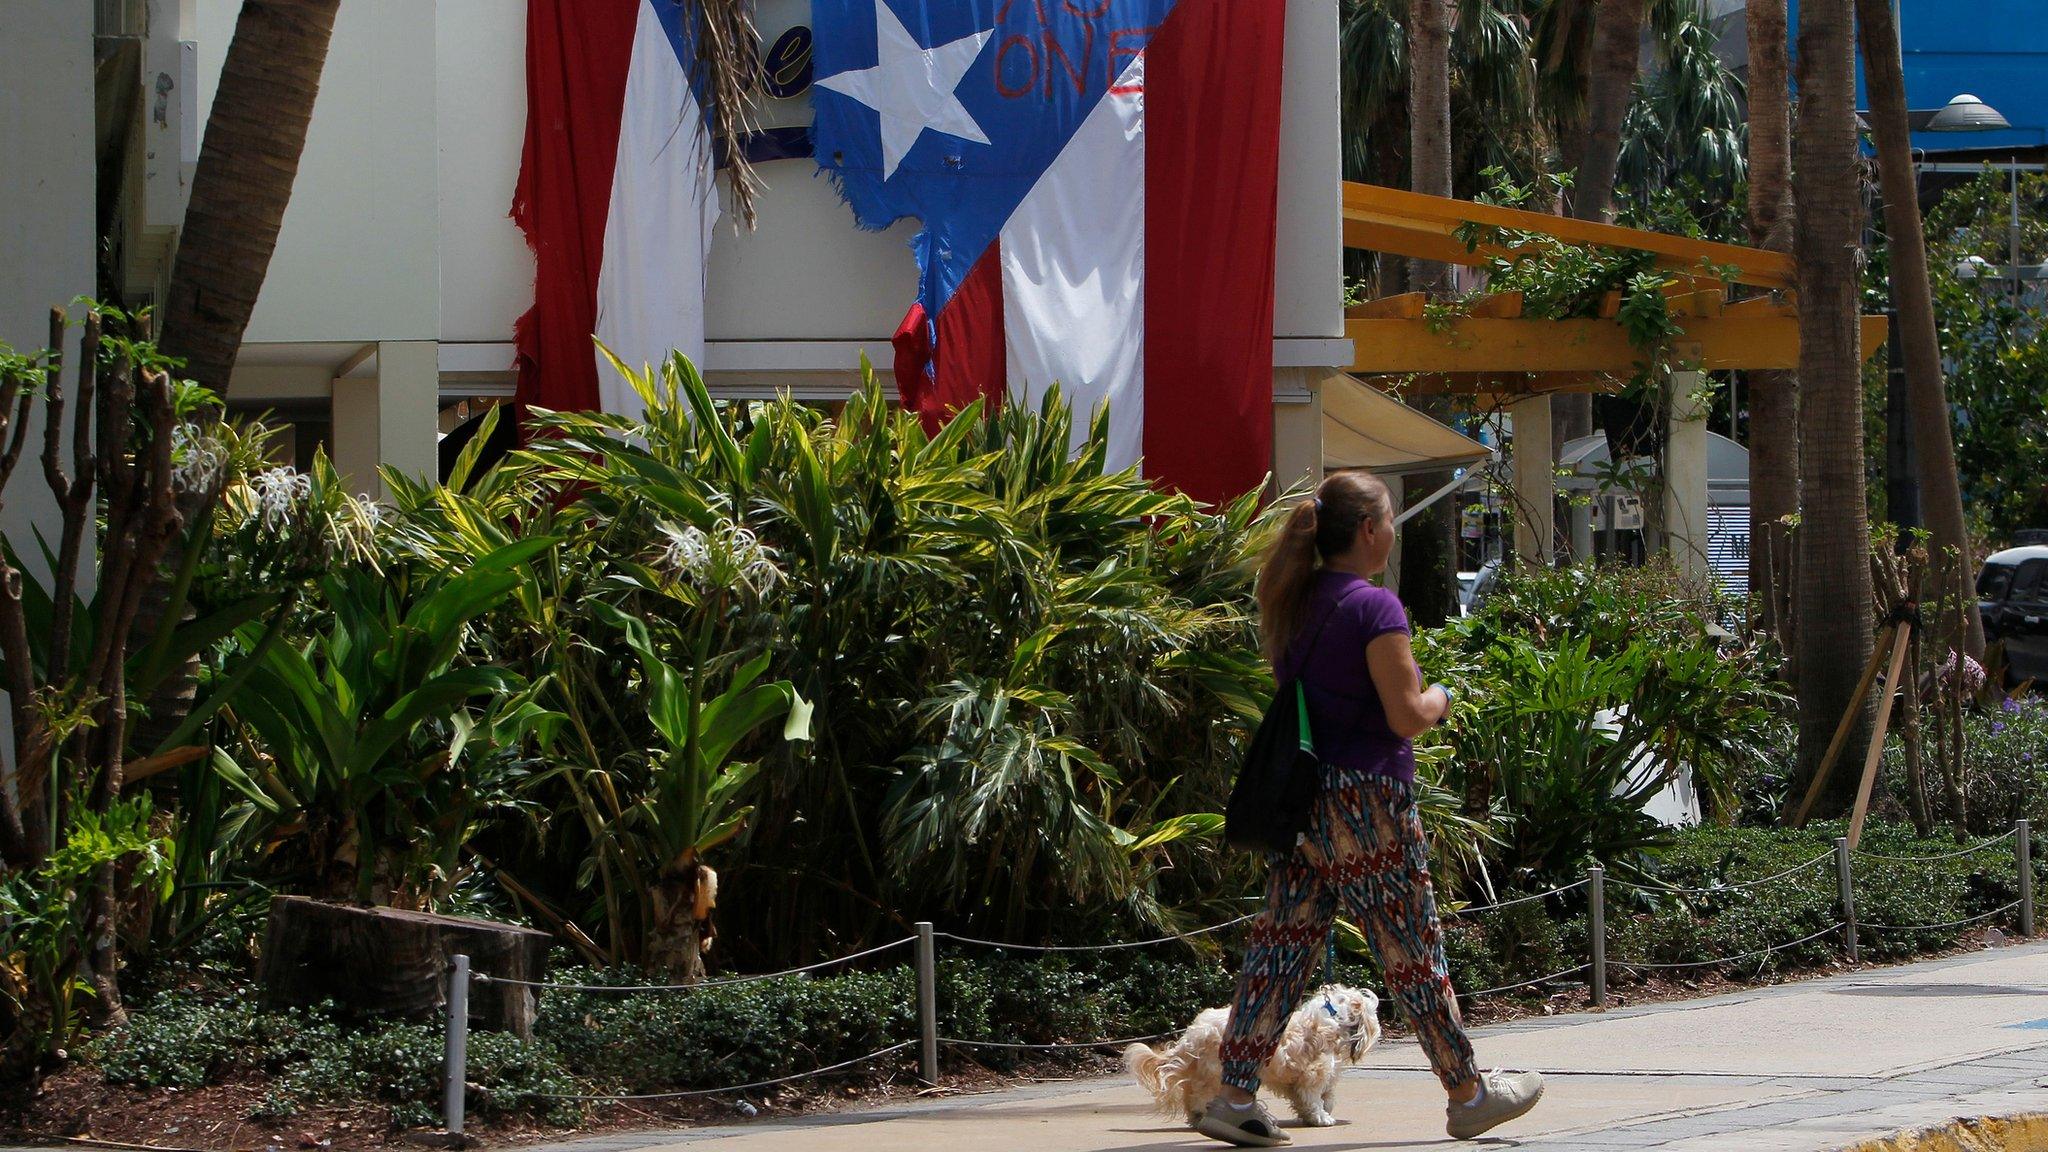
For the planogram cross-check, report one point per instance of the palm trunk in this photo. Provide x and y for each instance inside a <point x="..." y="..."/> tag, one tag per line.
<point x="1773" y="396"/>
<point x="244" y="180"/>
<point x="1429" y="570"/>
<point x="1941" y="496"/>
<point x="1834" y="590"/>
<point x="1610" y="88"/>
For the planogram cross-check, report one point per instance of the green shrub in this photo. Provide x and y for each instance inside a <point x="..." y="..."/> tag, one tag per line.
<point x="1540" y="667"/>
<point x="1728" y="920"/>
<point x="2005" y="769"/>
<point x="184" y="1040"/>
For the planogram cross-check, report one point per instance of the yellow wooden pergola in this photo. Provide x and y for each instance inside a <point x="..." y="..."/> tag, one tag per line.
<point x="1491" y="351"/>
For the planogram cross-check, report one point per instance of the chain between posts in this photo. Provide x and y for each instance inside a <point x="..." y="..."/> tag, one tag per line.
<point x="929" y="1040"/>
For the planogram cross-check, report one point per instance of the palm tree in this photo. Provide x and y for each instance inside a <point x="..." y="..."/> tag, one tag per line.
<point x="1833" y="632"/>
<point x="1610" y="90"/>
<point x="1773" y="396"/>
<point x="244" y="180"/>
<point x="1495" y="108"/>
<point x="1941" y="493"/>
<point x="1428" y="573"/>
<point x="1685" y="129"/>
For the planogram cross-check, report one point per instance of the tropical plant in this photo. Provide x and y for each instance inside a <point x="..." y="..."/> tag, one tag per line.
<point x="118" y="486"/>
<point x="990" y="627"/>
<point x="364" y="737"/>
<point x="1995" y="345"/>
<point x="46" y="922"/>
<point x="1587" y="691"/>
<point x="1684" y="130"/>
<point x="692" y="800"/>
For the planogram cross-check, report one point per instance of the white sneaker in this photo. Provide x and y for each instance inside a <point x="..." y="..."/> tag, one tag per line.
<point x="1252" y="1127"/>
<point x="1503" y="1097"/>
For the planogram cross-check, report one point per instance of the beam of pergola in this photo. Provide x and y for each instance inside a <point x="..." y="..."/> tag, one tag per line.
<point x="1411" y="224"/>
<point x="1398" y="345"/>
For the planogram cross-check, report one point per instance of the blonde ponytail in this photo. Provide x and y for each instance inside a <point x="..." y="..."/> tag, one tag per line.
<point x="1318" y="528"/>
<point x="1284" y="580"/>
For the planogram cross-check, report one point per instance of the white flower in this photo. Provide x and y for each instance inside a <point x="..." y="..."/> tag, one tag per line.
<point x="198" y="462"/>
<point x="279" y="492"/>
<point x="687" y="553"/>
<point x="730" y="554"/>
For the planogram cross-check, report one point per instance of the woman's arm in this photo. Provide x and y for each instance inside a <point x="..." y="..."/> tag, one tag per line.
<point x="1411" y="709"/>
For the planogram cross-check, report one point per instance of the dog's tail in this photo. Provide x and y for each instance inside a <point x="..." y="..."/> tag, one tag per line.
<point x="1144" y="1063"/>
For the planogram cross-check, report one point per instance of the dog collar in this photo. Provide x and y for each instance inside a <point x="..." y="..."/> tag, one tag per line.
<point x="1329" y="1007"/>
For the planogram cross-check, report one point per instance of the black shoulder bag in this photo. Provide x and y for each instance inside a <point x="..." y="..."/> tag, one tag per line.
<point x="1277" y="784"/>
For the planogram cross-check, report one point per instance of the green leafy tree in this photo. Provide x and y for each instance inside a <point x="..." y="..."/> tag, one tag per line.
<point x="1995" y="348"/>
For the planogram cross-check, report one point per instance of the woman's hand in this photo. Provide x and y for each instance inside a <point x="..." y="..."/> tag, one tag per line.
<point x="1411" y="708"/>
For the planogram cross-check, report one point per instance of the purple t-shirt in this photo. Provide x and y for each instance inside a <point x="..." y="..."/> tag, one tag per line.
<point x="1345" y="715"/>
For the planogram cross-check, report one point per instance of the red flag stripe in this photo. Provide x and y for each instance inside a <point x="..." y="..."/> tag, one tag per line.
<point x="577" y="54"/>
<point x="1212" y="204"/>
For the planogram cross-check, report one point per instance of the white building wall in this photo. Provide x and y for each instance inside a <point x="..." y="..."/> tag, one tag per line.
<point x="46" y="207"/>
<point x="480" y="111"/>
<point x="358" y="256"/>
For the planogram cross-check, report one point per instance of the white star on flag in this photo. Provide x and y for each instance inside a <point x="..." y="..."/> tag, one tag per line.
<point x="911" y="87"/>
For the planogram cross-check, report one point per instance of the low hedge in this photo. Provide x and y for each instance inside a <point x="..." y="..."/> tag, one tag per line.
<point x="184" y="1040"/>
<point x="655" y="1041"/>
<point x="1728" y="920"/>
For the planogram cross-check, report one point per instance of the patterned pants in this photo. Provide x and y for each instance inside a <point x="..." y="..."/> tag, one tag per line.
<point x="1364" y="848"/>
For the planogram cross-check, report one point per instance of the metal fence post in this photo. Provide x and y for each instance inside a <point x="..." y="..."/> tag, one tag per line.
<point x="2023" y="848"/>
<point x="455" y="1071"/>
<point x="1848" y="896"/>
<point x="928" y="1002"/>
<point x="1596" y="905"/>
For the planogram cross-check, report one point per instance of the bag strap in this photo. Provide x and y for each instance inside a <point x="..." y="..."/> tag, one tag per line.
<point x="1307" y="739"/>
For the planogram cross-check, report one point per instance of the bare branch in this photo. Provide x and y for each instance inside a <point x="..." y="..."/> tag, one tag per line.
<point x="74" y="500"/>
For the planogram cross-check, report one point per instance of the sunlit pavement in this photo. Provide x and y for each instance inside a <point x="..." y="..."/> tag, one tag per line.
<point x="1803" y="1067"/>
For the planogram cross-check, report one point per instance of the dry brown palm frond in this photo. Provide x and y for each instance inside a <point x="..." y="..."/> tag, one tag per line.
<point x="726" y="50"/>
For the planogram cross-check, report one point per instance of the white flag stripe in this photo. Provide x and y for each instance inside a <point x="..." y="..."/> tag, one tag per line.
<point x="650" y="290"/>
<point x="1070" y="254"/>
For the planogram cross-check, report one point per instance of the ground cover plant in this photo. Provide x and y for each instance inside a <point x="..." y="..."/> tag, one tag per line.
<point x="209" y="1030"/>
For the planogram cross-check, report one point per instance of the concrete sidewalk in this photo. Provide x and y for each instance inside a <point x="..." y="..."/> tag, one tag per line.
<point x="1802" y="1067"/>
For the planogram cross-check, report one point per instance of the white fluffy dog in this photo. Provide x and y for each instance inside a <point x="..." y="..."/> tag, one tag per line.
<point x="1335" y="1026"/>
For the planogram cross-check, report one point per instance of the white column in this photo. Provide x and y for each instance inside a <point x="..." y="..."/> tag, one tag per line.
<point x="1685" y="476"/>
<point x="1535" y="481"/>
<point x="389" y="418"/>
<point x="354" y="437"/>
<point x="1297" y="430"/>
<point x="408" y="407"/>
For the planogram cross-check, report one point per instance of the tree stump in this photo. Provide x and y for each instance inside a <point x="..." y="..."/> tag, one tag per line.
<point x="396" y="962"/>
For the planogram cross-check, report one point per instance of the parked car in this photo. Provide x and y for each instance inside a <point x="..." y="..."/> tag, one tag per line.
<point x="2012" y="600"/>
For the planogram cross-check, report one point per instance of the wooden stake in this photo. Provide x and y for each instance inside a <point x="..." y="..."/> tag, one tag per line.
<point x="1849" y="714"/>
<point x="1902" y="638"/>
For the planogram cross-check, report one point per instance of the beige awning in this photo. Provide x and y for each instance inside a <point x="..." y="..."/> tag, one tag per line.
<point x="1364" y="427"/>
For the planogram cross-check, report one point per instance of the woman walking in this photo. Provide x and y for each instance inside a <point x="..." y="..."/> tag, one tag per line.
<point x="1323" y="621"/>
